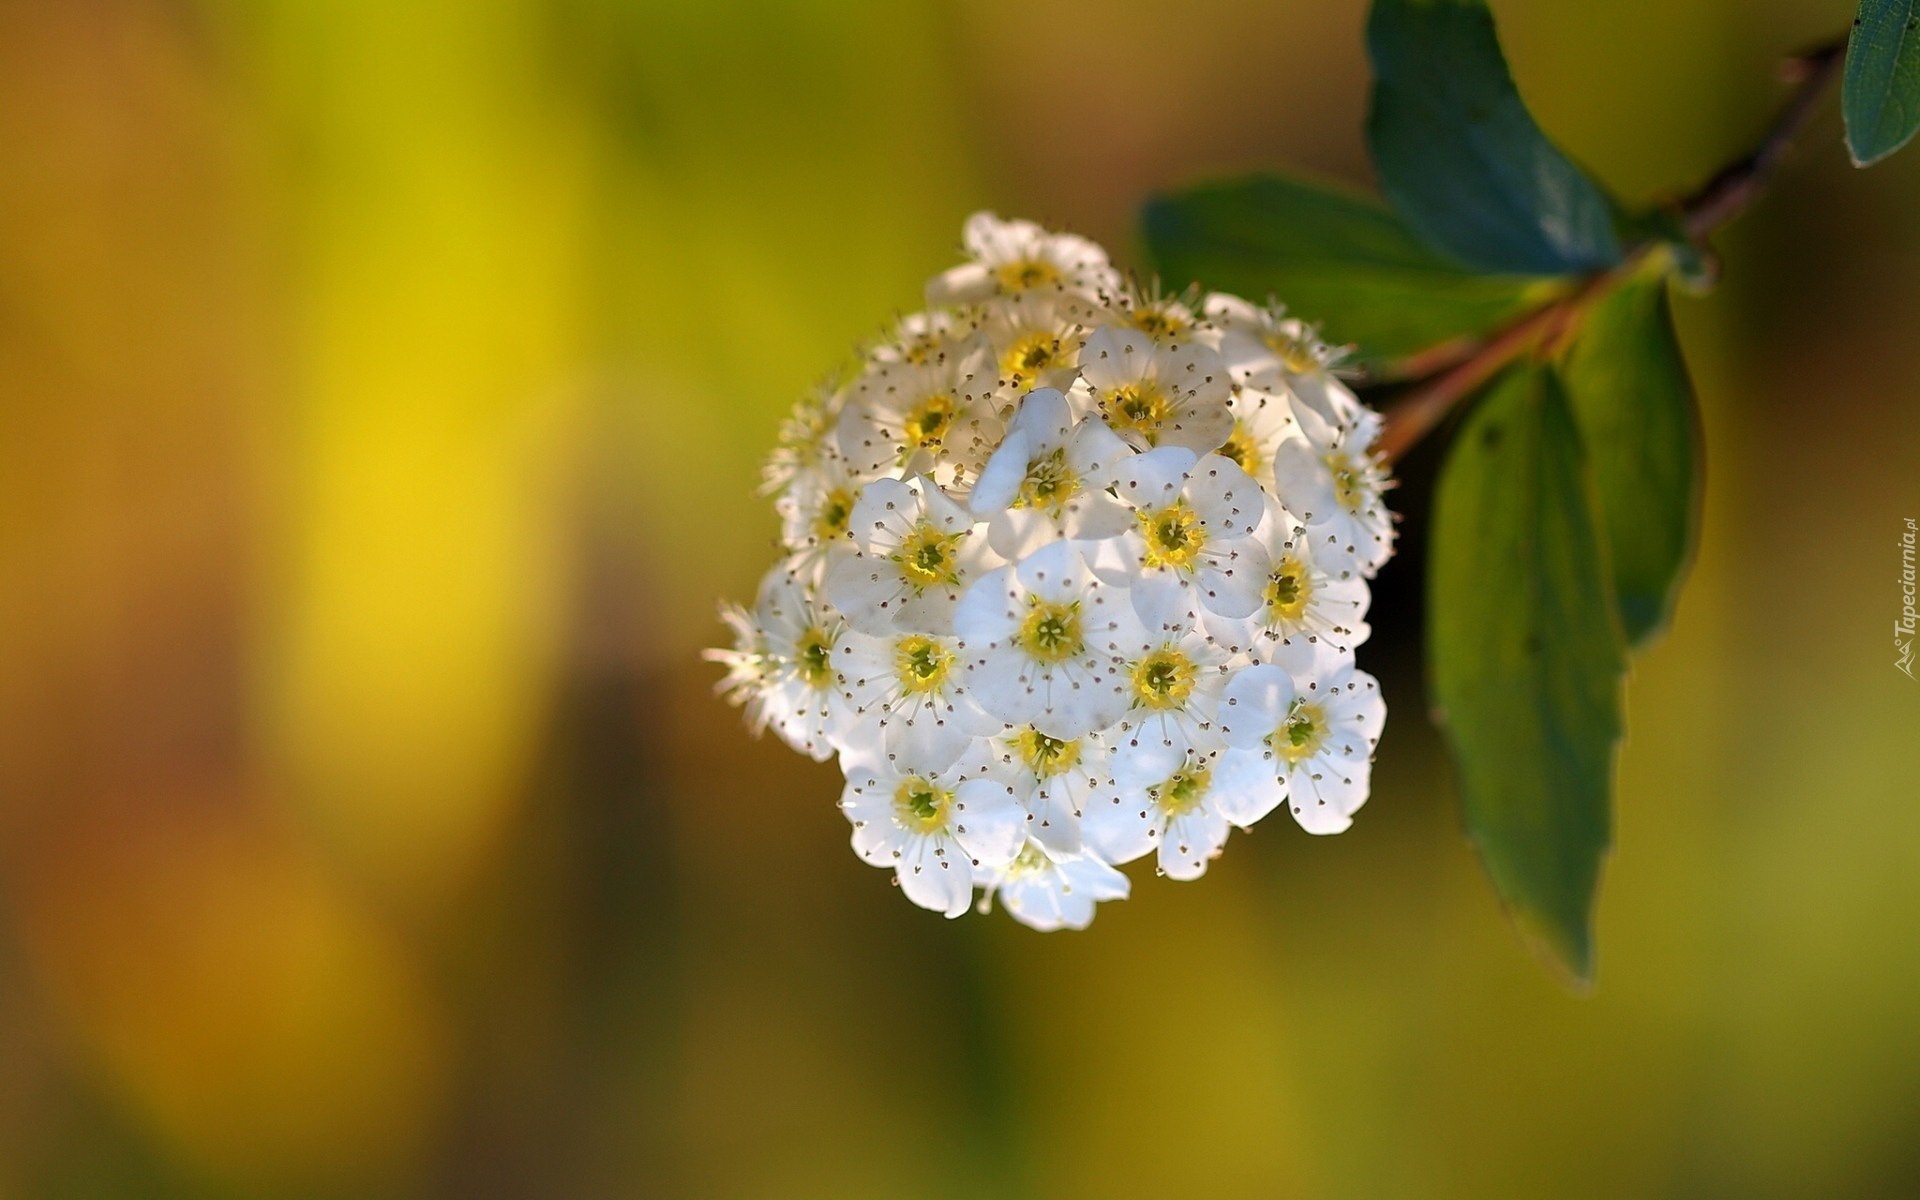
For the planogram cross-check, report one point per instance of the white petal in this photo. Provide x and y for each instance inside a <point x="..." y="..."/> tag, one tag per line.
<point x="988" y="822"/>
<point x="1225" y="497"/>
<point x="1164" y="599"/>
<point x="1055" y="573"/>
<point x="1253" y="704"/>
<point x="1114" y="357"/>
<point x="929" y="737"/>
<point x="1122" y="829"/>
<point x="1091" y="877"/>
<point x="1154" y="479"/>
<point x="1190" y="840"/>
<point x="1074" y="702"/>
<point x="1302" y="481"/>
<point x="1043" y="420"/>
<point x="1097" y="516"/>
<point x="868" y="591"/>
<point x="1000" y="479"/>
<point x="883" y="514"/>
<point x="934" y="877"/>
<point x="1140" y="763"/>
<point x="927" y="611"/>
<point x="1233" y="583"/>
<point x="1015" y="533"/>
<point x="941" y="509"/>
<point x="1322" y="802"/>
<point x="964" y="284"/>
<point x="1056" y="819"/>
<point x="1096" y="453"/>
<point x="1246" y="786"/>
<point x="988" y="611"/>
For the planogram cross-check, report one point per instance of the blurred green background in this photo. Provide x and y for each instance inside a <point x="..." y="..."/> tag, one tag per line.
<point x="381" y="392"/>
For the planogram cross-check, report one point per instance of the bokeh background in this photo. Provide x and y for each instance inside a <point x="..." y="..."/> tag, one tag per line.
<point x="381" y="392"/>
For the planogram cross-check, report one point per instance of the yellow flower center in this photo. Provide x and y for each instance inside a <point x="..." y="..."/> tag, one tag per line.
<point x="814" y="660"/>
<point x="1030" y="861"/>
<point x="1046" y="756"/>
<point x="1051" y="632"/>
<point x="1030" y="354"/>
<point x="927" y="557"/>
<point x="921" y="806"/>
<point x="1142" y="407"/>
<point x="1289" y="590"/>
<point x="1049" y="484"/>
<point x="1156" y="322"/>
<point x="920" y="348"/>
<point x="921" y="664"/>
<point x="1296" y="355"/>
<point x="1173" y="534"/>
<point x="1243" y="450"/>
<point x="1164" y="679"/>
<point x="1349" y="481"/>
<point x="1301" y="735"/>
<point x="1026" y="273"/>
<point x="928" y="421"/>
<point x="1182" y="792"/>
<point x="831" y="521"/>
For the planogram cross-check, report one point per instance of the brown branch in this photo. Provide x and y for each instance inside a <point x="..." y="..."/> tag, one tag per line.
<point x="1416" y="413"/>
<point x="1422" y="364"/>
<point x="1456" y="368"/>
<point x="1740" y="183"/>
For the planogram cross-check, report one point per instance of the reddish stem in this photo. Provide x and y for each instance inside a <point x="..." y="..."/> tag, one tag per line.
<point x="1456" y="368"/>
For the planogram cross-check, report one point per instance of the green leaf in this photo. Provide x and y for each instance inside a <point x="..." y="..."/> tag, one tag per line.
<point x="1331" y="256"/>
<point x="1461" y="157"/>
<point x="1664" y="231"/>
<point x="1628" y="385"/>
<point x="1880" y="95"/>
<point x="1525" y="658"/>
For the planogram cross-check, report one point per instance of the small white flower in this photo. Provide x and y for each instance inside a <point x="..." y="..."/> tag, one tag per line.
<point x="923" y="337"/>
<point x="938" y="833"/>
<point x="1010" y="257"/>
<point x="1157" y="393"/>
<point x="816" y="506"/>
<point x="1331" y="479"/>
<point x="1261" y="422"/>
<point x="1191" y="551"/>
<point x="1301" y="599"/>
<point x="1314" y="736"/>
<point x="906" y="692"/>
<point x="915" y="551"/>
<point x="750" y="667"/>
<point x="1162" y="318"/>
<point x="795" y="684"/>
<point x="1174" y="688"/>
<point x="1049" y="479"/>
<point x="1036" y="338"/>
<point x="1047" y="642"/>
<point x="1047" y="891"/>
<point x="1265" y="348"/>
<point x="938" y="416"/>
<point x="1169" y="801"/>
<point x="806" y="435"/>
<point x="1055" y="779"/>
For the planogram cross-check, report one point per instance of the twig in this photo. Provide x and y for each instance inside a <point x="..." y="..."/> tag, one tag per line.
<point x="1415" y="415"/>
<point x="1457" y="367"/>
<point x="1740" y="183"/>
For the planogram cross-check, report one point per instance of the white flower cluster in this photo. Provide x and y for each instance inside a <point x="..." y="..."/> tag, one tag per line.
<point x="1072" y="573"/>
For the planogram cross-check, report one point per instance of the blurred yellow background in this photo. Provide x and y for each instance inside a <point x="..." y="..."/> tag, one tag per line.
<point x="381" y="393"/>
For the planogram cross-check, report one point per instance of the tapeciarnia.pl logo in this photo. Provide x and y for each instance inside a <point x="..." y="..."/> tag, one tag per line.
<point x="1904" y="627"/>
